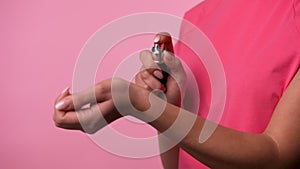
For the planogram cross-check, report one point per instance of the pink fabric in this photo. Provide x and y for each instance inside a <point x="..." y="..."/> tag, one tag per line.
<point x="259" y="46"/>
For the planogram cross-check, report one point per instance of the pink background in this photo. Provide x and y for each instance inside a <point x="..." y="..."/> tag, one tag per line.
<point x="39" y="45"/>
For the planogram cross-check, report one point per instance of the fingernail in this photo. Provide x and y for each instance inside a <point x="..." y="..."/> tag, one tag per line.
<point x="156" y="39"/>
<point x="65" y="90"/>
<point x="158" y="74"/>
<point x="168" y="56"/>
<point x="62" y="104"/>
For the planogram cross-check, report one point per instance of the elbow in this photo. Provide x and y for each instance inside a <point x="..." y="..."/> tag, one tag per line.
<point x="261" y="153"/>
<point x="267" y="154"/>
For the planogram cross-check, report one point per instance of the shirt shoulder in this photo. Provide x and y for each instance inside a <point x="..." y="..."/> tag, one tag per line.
<point x="192" y="14"/>
<point x="191" y="18"/>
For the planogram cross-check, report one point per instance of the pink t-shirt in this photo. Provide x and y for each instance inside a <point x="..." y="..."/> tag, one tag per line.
<point x="258" y="42"/>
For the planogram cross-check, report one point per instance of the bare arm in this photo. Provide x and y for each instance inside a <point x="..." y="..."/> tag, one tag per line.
<point x="277" y="147"/>
<point x="284" y="126"/>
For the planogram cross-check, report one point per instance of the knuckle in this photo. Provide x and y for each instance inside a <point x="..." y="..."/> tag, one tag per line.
<point x="144" y="75"/>
<point x="59" y="122"/>
<point x="139" y="81"/>
<point x="58" y="125"/>
<point x="99" y="89"/>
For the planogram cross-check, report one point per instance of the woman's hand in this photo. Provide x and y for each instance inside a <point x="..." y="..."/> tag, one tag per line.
<point x="97" y="106"/>
<point x="150" y="73"/>
<point x="69" y="112"/>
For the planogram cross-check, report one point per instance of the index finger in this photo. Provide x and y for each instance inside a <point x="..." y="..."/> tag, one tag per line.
<point x="97" y="93"/>
<point x="63" y="94"/>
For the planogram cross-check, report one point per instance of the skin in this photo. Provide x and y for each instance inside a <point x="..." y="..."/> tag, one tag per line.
<point x="276" y="148"/>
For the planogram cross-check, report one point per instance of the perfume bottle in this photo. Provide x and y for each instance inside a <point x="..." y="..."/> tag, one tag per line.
<point x="157" y="51"/>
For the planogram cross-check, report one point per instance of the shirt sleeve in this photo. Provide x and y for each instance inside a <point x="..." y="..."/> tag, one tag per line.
<point x="189" y="18"/>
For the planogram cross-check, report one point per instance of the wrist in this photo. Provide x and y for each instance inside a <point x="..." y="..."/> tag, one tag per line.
<point x="149" y="105"/>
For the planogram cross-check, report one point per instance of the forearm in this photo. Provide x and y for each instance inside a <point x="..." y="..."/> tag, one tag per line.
<point x="226" y="148"/>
